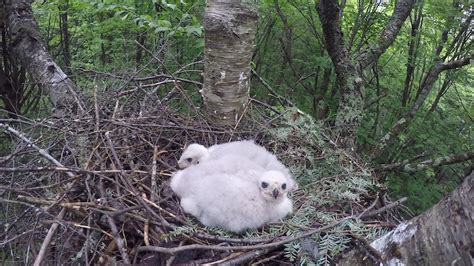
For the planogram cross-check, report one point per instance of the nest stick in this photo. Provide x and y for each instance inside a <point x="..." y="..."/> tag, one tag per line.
<point x="47" y="239"/>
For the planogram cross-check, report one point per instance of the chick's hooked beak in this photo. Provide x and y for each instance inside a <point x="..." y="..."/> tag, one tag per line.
<point x="275" y="193"/>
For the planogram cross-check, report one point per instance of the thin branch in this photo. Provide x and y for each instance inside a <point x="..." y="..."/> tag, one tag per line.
<point x="385" y="208"/>
<point x="406" y="166"/>
<point x="281" y="99"/>
<point x="43" y="152"/>
<point x="48" y="238"/>
<point x="244" y="258"/>
<point x="251" y="247"/>
<point x="388" y="35"/>
<point x="117" y="238"/>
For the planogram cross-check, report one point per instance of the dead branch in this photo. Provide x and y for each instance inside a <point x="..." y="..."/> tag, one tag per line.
<point x="118" y="240"/>
<point x="47" y="239"/>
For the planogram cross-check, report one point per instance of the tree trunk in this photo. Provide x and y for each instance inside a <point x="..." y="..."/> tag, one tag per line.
<point x="64" y="28"/>
<point x="349" y="74"/>
<point x="349" y="114"/>
<point x="443" y="235"/>
<point x="230" y="28"/>
<point x="28" y="47"/>
<point x="412" y="51"/>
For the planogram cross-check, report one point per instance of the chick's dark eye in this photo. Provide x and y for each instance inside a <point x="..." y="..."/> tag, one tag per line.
<point x="189" y="160"/>
<point x="197" y="162"/>
<point x="264" y="184"/>
<point x="283" y="186"/>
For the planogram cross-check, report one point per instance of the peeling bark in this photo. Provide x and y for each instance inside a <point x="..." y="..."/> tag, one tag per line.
<point x="442" y="235"/>
<point x="230" y="29"/>
<point x="30" y="51"/>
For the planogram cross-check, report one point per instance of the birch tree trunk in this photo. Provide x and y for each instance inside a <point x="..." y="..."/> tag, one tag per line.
<point x="230" y="28"/>
<point x="443" y="235"/>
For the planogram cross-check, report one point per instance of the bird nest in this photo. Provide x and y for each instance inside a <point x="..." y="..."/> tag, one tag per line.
<point x="95" y="188"/>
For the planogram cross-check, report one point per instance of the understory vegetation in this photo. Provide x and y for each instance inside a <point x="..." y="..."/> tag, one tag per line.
<point x="139" y="66"/>
<point x="143" y="38"/>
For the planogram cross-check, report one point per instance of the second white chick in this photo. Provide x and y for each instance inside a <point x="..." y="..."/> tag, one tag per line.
<point x="235" y="202"/>
<point x="229" y="164"/>
<point x="196" y="153"/>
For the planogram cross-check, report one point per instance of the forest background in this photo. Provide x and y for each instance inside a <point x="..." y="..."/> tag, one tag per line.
<point x="87" y="37"/>
<point x="414" y="128"/>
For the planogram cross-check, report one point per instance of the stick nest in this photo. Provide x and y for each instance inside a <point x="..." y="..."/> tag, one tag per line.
<point x="103" y="180"/>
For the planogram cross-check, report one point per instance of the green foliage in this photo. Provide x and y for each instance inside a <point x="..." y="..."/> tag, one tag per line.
<point x="290" y="54"/>
<point x="102" y="32"/>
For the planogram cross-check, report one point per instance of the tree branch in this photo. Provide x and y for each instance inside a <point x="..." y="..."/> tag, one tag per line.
<point x="388" y="35"/>
<point x="413" y="167"/>
<point x="426" y="86"/>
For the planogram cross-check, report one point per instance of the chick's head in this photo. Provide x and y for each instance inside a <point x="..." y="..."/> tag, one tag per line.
<point x="192" y="155"/>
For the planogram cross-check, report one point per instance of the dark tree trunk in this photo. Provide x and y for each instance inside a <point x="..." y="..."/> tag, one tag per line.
<point x="442" y="91"/>
<point x="412" y="48"/>
<point x="443" y="235"/>
<point x="349" y="114"/>
<point x="349" y="74"/>
<point x="30" y="51"/>
<point x="230" y="28"/>
<point x="64" y="28"/>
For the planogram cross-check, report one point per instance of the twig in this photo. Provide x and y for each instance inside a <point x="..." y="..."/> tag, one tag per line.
<point x="153" y="174"/>
<point x="241" y="260"/>
<point x="66" y="169"/>
<point x="385" y="208"/>
<point x="372" y="250"/>
<point x="228" y="239"/>
<point x="267" y="259"/>
<point x="48" y="238"/>
<point x="118" y="240"/>
<point x="406" y="166"/>
<point x="280" y="98"/>
<point x="265" y="105"/>
<point x="369" y="208"/>
<point x="43" y="152"/>
<point x="250" y="247"/>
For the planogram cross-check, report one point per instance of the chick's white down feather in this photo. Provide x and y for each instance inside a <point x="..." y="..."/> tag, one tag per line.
<point x="234" y="199"/>
<point x="229" y="164"/>
<point x="196" y="153"/>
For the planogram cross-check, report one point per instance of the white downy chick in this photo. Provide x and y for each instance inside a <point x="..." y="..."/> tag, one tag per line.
<point x="235" y="202"/>
<point x="230" y="164"/>
<point x="196" y="153"/>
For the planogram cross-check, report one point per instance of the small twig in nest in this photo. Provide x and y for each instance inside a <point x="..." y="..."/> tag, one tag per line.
<point x="385" y="208"/>
<point x="250" y="247"/>
<point x="113" y="226"/>
<point x="47" y="239"/>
